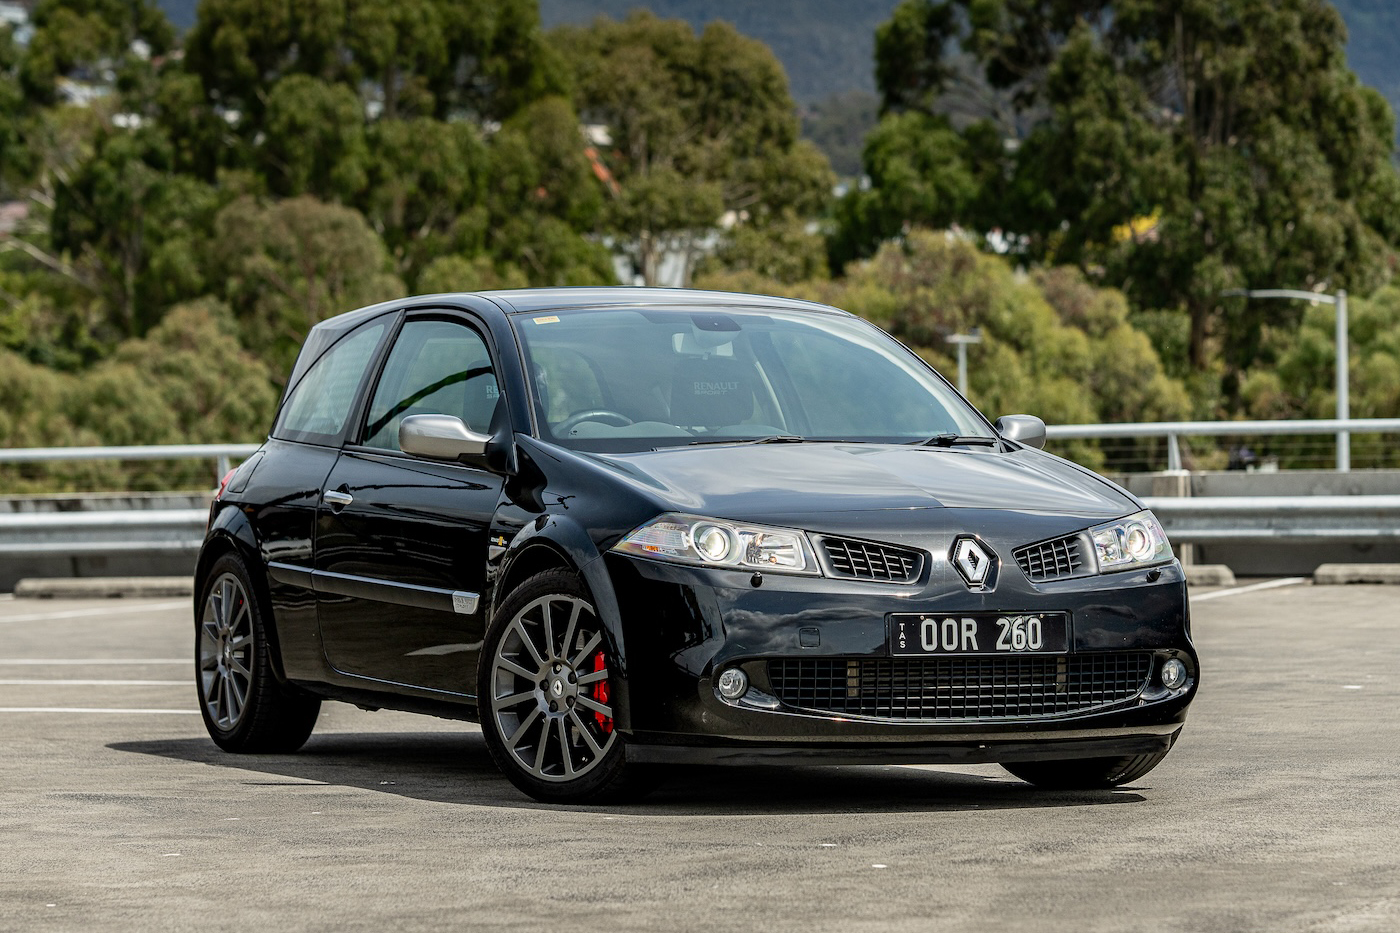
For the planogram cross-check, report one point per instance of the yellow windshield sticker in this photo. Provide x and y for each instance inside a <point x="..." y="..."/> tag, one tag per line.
<point x="551" y="319"/>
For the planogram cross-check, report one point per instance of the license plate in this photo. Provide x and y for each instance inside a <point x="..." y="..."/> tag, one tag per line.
<point x="934" y="634"/>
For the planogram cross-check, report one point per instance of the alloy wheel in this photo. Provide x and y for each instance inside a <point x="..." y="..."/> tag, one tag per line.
<point x="226" y="652"/>
<point x="550" y="689"/>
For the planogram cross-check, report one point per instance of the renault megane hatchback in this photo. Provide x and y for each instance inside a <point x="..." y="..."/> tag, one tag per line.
<point x="630" y="527"/>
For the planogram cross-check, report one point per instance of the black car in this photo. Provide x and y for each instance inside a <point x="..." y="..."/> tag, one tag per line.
<point x="631" y="527"/>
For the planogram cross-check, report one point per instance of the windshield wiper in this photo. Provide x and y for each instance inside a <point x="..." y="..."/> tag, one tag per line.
<point x="959" y="440"/>
<point x="769" y="439"/>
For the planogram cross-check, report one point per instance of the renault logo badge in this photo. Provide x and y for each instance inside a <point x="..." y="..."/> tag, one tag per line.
<point x="972" y="561"/>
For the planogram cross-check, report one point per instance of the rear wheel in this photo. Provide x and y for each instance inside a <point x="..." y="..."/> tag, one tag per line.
<point x="545" y="689"/>
<point x="244" y="706"/>
<point x="1085" y="773"/>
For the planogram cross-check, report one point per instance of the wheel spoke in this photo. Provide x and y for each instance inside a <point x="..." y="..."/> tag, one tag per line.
<point x="543" y="743"/>
<point x="583" y="731"/>
<point x="564" y="748"/>
<point x="212" y="692"/>
<point x="588" y="649"/>
<point x="240" y="669"/>
<point x="592" y="677"/>
<point x="569" y="631"/>
<point x="529" y="644"/>
<point x="508" y="665"/>
<point x="525" y="724"/>
<point x="515" y="699"/>
<point x="225" y="598"/>
<point x="238" y="641"/>
<point x="590" y="703"/>
<point x="224" y="704"/>
<point x="237" y="699"/>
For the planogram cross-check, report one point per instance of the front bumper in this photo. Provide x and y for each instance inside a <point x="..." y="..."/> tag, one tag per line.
<point x="681" y="626"/>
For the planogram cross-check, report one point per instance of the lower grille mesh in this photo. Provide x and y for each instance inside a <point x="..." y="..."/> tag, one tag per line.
<point x="960" y="688"/>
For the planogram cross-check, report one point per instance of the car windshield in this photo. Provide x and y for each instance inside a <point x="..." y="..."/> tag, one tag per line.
<point x="633" y="379"/>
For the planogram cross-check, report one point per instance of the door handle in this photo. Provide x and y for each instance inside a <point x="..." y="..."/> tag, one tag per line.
<point x="336" y="499"/>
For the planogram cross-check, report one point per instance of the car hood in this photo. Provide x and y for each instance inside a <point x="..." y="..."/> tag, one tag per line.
<point x="751" y="482"/>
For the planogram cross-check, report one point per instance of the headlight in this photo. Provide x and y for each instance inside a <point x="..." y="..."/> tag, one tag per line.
<point x="688" y="539"/>
<point x="1135" y="541"/>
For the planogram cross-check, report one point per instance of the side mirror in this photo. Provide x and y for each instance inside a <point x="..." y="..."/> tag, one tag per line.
<point x="1026" y="429"/>
<point x="440" y="437"/>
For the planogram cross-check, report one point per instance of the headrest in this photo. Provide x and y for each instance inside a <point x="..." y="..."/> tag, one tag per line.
<point x="481" y="397"/>
<point x="711" y="392"/>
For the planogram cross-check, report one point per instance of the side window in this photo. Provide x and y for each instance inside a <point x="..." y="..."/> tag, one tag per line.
<point x="320" y="403"/>
<point x="435" y="368"/>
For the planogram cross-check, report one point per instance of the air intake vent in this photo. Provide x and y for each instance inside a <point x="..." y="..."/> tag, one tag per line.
<point x="1017" y="687"/>
<point x="1052" y="560"/>
<point x="864" y="560"/>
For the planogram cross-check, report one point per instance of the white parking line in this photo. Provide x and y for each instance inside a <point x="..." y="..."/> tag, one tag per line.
<point x="90" y="709"/>
<point x="1266" y="585"/>
<point x="90" y="662"/>
<point x="88" y="613"/>
<point x="94" y="683"/>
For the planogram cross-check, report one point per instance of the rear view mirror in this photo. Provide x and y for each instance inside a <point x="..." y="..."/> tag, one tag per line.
<point x="440" y="437"/>
<point x="1026" y="429"/>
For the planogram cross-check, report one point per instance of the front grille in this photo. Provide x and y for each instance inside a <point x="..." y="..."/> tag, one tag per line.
<point x="1024" y="686"/>
<point x="864" y="560"/>
<point x="1051" y="560"/>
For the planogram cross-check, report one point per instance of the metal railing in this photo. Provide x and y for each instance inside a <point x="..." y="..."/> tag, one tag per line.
<point x="81" y="534"/>
<point x="1202" y="520"/>
<point x="1307" y="519"/>
<point x="1174" y="430"/>
<point x="221" y="454"/>
<point x="1171" y="430"/>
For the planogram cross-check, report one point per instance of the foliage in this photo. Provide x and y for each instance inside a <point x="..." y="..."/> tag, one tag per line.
<point x="698" y="126"/>
<point x="290" y="264"/>
<point x="1179" y="149"/>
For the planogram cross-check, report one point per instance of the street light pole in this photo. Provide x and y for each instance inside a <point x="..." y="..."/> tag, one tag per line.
<point x="961" y="341"/>
<point x="1339" y="300"/>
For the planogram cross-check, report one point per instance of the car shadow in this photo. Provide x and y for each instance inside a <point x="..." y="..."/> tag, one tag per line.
<point x="456" y="768"/>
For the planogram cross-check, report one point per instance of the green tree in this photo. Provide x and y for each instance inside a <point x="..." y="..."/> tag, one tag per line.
<point x="92" y="39"/>
<point x="1178" y="148"/>
<point x="427" y="57"/>
<point x="133" y="227"/>
<point x="698" y="126"/>
<point x="315" y="140"/>
<point x="285" y="266"/>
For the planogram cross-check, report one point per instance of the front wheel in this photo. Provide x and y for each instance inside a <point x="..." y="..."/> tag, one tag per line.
<point x="1085" y="773"/>
<point x="245" y="707"/>
<point x="544" y="686"/>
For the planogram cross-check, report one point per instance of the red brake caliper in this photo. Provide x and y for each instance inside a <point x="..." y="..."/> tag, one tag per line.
<point x="600" y="693"/>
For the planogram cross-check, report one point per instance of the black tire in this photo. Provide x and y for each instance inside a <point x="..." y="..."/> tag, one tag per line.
<point x="244" y="706"/>
<point x="1085" y="773"/>
<point x="543" y="689"/>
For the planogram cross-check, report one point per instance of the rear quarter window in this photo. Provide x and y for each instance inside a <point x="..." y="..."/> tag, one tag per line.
<point x="319" y="405"/>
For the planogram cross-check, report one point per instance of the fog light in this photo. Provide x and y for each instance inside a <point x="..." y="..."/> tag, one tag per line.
<point x="732" y="684"/>
<point x="1173" y="674"/>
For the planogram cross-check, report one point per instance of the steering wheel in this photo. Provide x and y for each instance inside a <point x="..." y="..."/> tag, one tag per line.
<point x="607" y="415"/>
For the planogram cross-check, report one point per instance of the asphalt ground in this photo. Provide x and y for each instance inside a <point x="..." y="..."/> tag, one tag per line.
<point x="1278" y="810"/>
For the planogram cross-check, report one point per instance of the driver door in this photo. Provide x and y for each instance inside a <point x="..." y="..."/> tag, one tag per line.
<point x="401" y="542"/>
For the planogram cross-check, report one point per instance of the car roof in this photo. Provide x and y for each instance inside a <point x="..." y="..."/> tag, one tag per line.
<point x="530" y="300"/>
